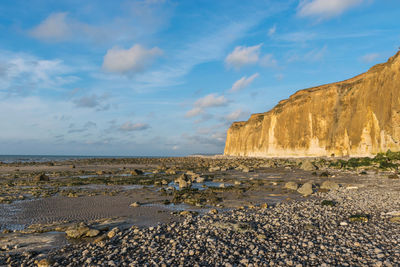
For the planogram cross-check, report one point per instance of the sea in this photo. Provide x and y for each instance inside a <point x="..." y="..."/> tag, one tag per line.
<point x="46" y="158"/>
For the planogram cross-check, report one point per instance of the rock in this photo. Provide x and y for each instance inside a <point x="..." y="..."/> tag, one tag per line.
<point x="310" y="123"/>
<point x="395" y="219"/>
<point x="183" y="181"/>
<point x="92" y="233"/>
<point x="113" y="232"/>
<point x="343" y="223"/>
<point x="170" y="171"/>
<point x="135" y="204"/>
<point x="329" y="185"/>
<point x="41" y="177"/>
<point x="77" y="232"/>
<point x="200" y="179"/>
<point x="136" y="172"/>
<point x="213" y="211"/>
<point x="43" y="263"/>
<point x="359" y="218"/>
<point x="100" y="239"/>
<point x="187" y="212"/>
<point x="291" y="186"/>
<point x="214" y="169"/>
<point x="306" y="165"/>
<point x="306" y="189"/>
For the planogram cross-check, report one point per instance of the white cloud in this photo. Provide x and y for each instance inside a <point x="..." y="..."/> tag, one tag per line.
<point x="368" y="58"/>
<point x="243" y="82"/>
<point x="59" y="27"/>
<point x="325" y="9"/>
<point x="129" y="126"/>
<point x="134" y="59"/>
<point x="24" y="72"/>
<point x="53" y="28"/>
<point x="242" y="56"/>
<point x="272" y="30"/>
<point x="209" y="101"/>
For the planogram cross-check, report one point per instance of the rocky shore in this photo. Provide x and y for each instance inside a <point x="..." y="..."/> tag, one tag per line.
<point x="356" y="227"/>
<point x="202" y="211"/>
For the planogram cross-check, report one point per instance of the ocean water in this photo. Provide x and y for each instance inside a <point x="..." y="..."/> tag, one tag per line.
<point x="45" y="158"/>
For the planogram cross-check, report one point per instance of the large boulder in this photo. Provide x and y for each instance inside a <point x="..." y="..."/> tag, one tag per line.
<point x="183" y="181"/>
<point x="291" y="186"/>
<point x="41" y="177"/>
<point x="306" y="165"/>
<point x="77" y="232"/>
<point x="329" y="185"/>
<point x="306" y="189"/>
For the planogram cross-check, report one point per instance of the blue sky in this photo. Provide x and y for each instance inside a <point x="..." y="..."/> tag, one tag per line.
<point x="164" y="77"/>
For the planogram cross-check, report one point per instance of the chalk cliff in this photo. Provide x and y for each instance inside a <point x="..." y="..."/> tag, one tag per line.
<point x="356" y="117"/>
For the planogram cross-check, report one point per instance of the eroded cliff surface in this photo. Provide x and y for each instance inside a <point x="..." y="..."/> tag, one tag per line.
<point x="356" y="117"/>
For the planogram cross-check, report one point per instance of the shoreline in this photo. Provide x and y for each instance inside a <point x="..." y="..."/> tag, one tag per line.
<point x="105" y="202"/>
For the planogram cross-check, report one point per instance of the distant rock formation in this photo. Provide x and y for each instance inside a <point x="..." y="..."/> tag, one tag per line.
<point x="355" y="117"/>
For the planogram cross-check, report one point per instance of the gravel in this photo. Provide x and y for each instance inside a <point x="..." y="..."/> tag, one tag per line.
<point x="292" y="233"/>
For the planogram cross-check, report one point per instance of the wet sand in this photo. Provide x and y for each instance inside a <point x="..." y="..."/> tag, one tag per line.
<point x="99" y="193"/>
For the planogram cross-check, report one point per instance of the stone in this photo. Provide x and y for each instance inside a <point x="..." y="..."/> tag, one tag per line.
<point x="291" y="186"/>
<point x="200" y="179"/>
<point x="135" y="204"/>
<point x="306" y="189"/>
<point x="136" y="172"/>
<point x="77" y="232"/>
<point x="41" y="177"/>
<point x="213" y="211"/>
<point x="329" y="185"/>
<point x="113" y="232"/>
<point x="395" y="219"/>
<point x="214" y="169"/>
<point x="306" y="165"/>
<point x="92" y="233"/>
<point x="43" y="263"/>
<point x="321" y="121"/>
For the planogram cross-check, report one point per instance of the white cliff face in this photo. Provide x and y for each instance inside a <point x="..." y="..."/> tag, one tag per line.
<point x="356" y="117"/>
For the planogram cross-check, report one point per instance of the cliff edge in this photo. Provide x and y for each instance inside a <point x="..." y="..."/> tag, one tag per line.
<point x="356" y="117"/>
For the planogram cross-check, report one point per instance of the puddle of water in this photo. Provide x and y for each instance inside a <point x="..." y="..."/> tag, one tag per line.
<point x="201" y="186"/>
<point x="102" y="187"/>
<point x="180" y="207"/>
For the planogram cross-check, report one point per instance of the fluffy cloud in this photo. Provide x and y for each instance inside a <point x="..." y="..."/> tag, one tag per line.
<point x="243" y="82"/>
<point x="250" y="55"/>
<point x="325" y="9"/>
<point x="242" y="56"/>
<point x="130" y="127"/>
<point x="209" y="101"/>
<point x="134" y="59"/>
<point x="53" y="28"/>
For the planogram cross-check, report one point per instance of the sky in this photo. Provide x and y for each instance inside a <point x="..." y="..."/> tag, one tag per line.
<point x="166" y="77"/>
